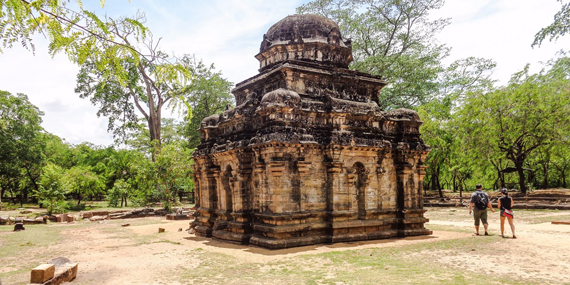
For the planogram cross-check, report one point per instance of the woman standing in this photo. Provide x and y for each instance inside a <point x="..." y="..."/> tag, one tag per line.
<point x="506" y="203"/>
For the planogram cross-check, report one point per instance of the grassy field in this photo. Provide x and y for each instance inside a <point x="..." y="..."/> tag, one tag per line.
<point x="111" y="254"/>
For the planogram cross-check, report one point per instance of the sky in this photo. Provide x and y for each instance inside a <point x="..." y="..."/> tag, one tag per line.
<point x="228" y="33"/>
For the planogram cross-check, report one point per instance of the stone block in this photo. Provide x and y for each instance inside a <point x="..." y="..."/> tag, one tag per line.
<point x="19" y="227"/>
<point x="97" y="218"/>
<point x="31" y="222"/>
<point x="42" y="273"/>
<point x="70" y="219"/>
<point x="64" y="273"/>
<point x="59" y="218"/>
<point x="160" y="230"/>
<point x="87" y="215"/>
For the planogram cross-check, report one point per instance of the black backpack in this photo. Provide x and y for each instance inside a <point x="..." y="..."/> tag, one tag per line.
<point x="481" y="200"/>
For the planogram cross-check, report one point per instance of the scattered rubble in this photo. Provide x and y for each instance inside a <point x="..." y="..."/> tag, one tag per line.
<point x="553" y="199"/>
<point x="181" y="213"/>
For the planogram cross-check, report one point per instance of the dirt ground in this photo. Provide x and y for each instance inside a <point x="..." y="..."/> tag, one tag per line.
<point x="109" y="253"/>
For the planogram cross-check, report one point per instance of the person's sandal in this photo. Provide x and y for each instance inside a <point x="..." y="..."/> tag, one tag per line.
<point x="514" y="236"/>
<point x="486" y="233"/>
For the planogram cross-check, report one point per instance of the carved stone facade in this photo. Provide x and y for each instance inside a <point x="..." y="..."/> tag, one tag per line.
<point x="307" y="156"/>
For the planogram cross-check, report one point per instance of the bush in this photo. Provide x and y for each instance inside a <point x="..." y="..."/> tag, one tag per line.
<point x="72" y="206"/>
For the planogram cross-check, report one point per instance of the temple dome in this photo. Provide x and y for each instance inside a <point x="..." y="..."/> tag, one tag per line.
<point x="305" y="37"/>
<point x="303" y="28"/>
<point x="280" y="97"/>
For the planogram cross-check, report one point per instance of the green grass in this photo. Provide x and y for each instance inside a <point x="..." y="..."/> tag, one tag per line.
<point x="24" y="250"/>
<point x="417" y="263"/>
<point x="393" y="265"/>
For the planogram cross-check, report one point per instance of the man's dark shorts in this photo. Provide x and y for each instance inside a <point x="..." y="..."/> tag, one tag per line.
<point x="480" y="215"/>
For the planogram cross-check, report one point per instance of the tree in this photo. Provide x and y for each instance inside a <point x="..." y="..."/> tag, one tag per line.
<point x="447" y="157"/>
<point x="21" y="144"/>
<point x="77" y="32"/>
<point x="532" y="111"/>
<point x="121" y="190"/>
<point x="561" y="163"/>
<point x="209" y="94"/>
<point x="132" y="85"/>
<point x="394" y="39"/>
<point x="128" y="70"/>
<point x="82" y="181"/>
<point x="559" y="28"/>
<point x="173" y="168"/>
<point x="52" y="186"/>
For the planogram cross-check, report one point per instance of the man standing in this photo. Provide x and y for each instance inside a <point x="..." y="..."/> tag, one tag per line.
<point x="480" y="201"/>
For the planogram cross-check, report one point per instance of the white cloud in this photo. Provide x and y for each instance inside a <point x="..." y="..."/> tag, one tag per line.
<point x="500" y="30"/>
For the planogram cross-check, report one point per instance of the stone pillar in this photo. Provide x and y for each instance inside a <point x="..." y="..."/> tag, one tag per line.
<point x="410" y="214"/>
<point x="206" y="215"/>
<point x="337" y="193"/>
<point x="278" y="193"/>
<point x="259" y="187"/>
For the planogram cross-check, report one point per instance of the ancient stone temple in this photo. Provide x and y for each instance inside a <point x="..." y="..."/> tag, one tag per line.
<point x="307" y="156"/>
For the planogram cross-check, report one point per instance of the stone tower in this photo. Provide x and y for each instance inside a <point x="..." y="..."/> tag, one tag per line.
<point x="307" y="156"/>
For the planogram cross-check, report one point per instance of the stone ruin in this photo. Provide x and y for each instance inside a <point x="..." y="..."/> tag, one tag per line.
<point x="307" y="156"/>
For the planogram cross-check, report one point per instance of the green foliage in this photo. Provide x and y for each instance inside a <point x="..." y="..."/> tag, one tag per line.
<point x="120" y="191"/>
<point x="78" y="33"/>
<point x="122" y="67"/>
<point x="531" y="112"/>
<point x="477" y="130"/>
<point x="448" y="163"/>
<point x="559" y="28"/>
<point x="82" y="181"/>
<point x="173" y="168"/>
<point x="394" y="39"/>
<point x="52" y="186"/>
<point x="209" y="94"/>
<point x="22" y="143"/>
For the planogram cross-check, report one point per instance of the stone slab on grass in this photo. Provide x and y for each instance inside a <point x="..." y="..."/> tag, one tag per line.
<point x="63" y="273"/>
<point x="42" y="273"/>
<point x="177" y="217"/>
<point x="561" y="222"/>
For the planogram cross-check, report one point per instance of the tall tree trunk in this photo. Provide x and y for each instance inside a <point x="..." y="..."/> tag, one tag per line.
<point x="12" y="196"/>
<point x="545" y="180"/>
<point x="455" y="181"/>
<point x="438" y="184"/>
<point x="522" y="183"/>
<point x="32" y="178"/>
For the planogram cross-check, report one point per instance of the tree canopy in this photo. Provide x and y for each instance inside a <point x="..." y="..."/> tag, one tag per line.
<point x="394" y="39"/>
<point x="558" y="28"/>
